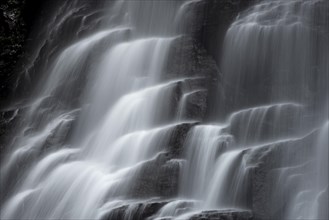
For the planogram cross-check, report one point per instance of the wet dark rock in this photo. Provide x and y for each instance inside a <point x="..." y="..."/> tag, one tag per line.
<point x="168" y="178"/>
<point x="190" y="61"/>
<point x="136" y="211"/>
<point x="17" y="19"/>
<point x="12" y="36"/>
<point x="190" y="99"/>
<point x="8" y="120"/>
<point x="223" y="215"/>
<point x="7" y="117"/>
<point x="177" y="139"/>
<point x="196" y="105"/>
<point x="218" y="15"/>
<point x="272" y="166"/>
<point x="158" y="177"/>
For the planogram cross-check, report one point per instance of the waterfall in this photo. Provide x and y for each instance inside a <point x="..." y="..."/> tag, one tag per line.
<point x="106" y="90"/>
<point x="287" y="40"/>
<point x="119" y="126"/>
<point x="275" y="86"/>
<point x="275" y="52"/>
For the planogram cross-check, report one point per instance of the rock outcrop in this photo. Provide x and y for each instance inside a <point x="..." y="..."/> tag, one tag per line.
<point x="223" y="215"/>
<point x="137" y="211"/>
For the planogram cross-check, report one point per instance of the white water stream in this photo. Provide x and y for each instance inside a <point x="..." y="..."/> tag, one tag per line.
<point x="80" y="159"/>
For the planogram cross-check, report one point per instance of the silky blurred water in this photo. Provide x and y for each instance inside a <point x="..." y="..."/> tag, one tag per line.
<point x="103" y="109"/>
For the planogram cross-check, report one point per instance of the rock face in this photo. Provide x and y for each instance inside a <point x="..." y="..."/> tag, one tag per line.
<point x="148" y="210"/>
<point x="17" y="18"/>
<point x="8" y="120"/>
<point x="192" y="61"/>
<point x="268" y="202"/>
<point x="177" y="139"/>
<point x="138" y="211"/>
<point x="223" y="215"/>
<point x="12" y="37"/>
<point x="218" y="16"/>
<point x="158" y="177"/>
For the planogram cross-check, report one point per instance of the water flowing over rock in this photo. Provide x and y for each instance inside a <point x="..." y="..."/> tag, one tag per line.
<point x="136" y="113"/>
<point x="224" y="215"/>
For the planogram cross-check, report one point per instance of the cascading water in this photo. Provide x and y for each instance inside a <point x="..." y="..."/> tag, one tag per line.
<point x="275" y="56"/>
<point x="108" y="133"/>
<point x="124" y="120"/>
